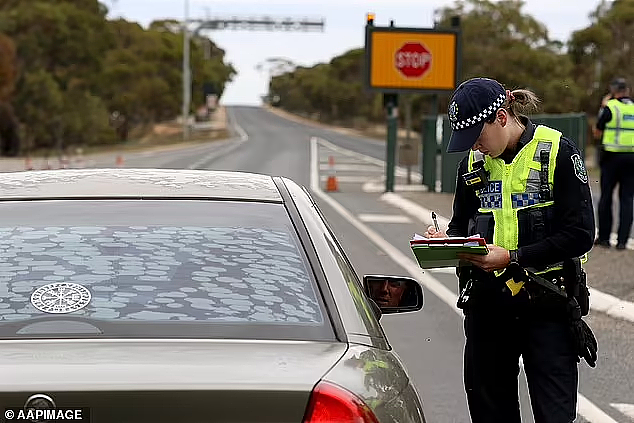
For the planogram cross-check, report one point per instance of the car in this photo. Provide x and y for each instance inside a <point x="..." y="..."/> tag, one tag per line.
<point x="149" y="295"/>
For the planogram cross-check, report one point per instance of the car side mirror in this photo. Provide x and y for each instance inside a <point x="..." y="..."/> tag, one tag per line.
<point x="394" y="294"/>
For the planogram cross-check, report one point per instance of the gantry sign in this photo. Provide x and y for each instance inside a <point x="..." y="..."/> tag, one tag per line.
<point x="237" y="24"/>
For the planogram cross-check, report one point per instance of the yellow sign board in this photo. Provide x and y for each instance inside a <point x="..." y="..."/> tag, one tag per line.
<point x="400" y="59"/>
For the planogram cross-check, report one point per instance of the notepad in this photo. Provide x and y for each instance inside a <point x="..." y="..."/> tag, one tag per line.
<point x="443" y="252"/>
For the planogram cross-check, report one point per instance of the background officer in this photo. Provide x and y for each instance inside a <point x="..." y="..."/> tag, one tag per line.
<point x="616" y="159"/>
<point x="525" y="189"/>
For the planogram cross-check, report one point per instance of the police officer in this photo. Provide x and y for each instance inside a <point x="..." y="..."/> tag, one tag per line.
<point x="616" y="159"/>
<point x="525" y="189"/>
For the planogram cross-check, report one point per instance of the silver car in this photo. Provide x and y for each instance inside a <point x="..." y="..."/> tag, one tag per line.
<point x="189" y="296"/>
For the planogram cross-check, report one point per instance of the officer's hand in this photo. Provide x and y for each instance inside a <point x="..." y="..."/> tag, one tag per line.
<point x="498" y="258"/>
<point x="606" y="98"/>
<point x="432" y="233"/>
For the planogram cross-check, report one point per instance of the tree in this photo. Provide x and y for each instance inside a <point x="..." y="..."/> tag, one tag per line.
<point x="9" y="131"/>
<point x="7" y="66"/>
<point x="82" y="79"/>
<point x="39" y="104"/>
<point x="515" y="49"/>
<point x="604" y="50"/>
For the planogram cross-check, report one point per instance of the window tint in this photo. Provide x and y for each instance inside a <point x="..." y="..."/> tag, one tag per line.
<point x="156" y="262"/>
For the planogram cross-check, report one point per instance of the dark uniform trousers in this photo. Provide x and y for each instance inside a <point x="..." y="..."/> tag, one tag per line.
<point x="499" y="329"/>
<point x="616" y="168"/>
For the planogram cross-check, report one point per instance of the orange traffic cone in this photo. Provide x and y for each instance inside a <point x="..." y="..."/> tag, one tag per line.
<point x="119" y="160"/>
<point x="331" y="183"/>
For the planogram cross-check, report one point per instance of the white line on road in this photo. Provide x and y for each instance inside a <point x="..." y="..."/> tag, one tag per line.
<point x="346" y="179"/>
<point x="372" y="186"/>
<point x="221" y="151"/>
<point x="399" y="171"/>
<point x="350" y="168"/>
<point x="413" y="269"/>
<point x="384" y="218"/>
<point x="627" y="409"/>
<point x="586" y="409"/>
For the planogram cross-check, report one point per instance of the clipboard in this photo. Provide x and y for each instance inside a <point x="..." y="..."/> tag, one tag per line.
<point x="443" y="252"/>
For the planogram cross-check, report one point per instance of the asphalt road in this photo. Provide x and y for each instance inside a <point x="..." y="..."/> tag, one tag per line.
<point x="429" y="342"/>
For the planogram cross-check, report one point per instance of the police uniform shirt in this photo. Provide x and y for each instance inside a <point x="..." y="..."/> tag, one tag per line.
<point x="573" y="209"/>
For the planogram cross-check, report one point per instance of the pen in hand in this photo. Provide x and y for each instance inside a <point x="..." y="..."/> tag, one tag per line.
<point x="435" y="219"/>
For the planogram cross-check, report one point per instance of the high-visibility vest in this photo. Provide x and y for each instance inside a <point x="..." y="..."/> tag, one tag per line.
<point x="516" y="186"/>
<point x="618" y="135"/>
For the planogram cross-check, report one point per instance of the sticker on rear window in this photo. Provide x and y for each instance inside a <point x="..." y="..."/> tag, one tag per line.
<point x="60" y="297"/>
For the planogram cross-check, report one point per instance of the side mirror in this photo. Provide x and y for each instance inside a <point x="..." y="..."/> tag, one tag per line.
<point x="394" y="294"/>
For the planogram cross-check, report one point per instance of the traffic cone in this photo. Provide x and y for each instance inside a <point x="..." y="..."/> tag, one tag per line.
<point x="331" y="183"/>
<point x="119" y="160"/>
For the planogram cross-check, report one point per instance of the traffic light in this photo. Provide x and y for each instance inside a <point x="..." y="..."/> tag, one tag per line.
<point x="370" y="18"/>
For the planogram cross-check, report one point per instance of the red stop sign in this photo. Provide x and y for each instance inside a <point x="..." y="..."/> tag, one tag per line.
<point x="413" y="60"/>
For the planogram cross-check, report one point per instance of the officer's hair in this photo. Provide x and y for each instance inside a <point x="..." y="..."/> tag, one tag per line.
<point x="522" y="104"/>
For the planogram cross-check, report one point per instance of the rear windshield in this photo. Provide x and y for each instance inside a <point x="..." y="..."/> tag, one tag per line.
<point x="160" y="268"/>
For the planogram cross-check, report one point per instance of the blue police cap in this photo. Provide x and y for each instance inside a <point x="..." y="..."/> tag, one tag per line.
<point x="473" y="102"/>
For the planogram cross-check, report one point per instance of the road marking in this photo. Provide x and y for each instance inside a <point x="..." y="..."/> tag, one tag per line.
<point x="384" y="218"/>
<point x="627" y="409"/>
<point x="421" y="213"/>
<point x="408" y="264"/>
<point x="399" y="171"/>
<point x="372" y="186"/>
<point x="349" y="167"/>
<point x="232" y="145"/>
<point x="586" y="409"/>
<point x="347" y="179"/>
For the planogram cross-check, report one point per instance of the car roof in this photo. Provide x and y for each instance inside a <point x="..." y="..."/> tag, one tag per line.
<point x="138" y="183"/>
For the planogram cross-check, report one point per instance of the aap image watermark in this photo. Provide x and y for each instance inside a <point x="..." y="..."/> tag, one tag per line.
<point x="36" y="415"/>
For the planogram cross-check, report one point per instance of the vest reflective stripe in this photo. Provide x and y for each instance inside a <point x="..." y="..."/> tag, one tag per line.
<point x="618" y="135"/>
<point x="515" y="186"/>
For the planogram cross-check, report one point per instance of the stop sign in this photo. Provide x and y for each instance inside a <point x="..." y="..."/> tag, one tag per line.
<point x="413" y="60"/>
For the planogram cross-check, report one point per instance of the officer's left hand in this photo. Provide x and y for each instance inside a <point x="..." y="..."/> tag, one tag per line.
<point x="498" y="258"/>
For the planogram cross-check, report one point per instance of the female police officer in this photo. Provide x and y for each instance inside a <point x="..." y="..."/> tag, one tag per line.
<point x="525" y="189"/>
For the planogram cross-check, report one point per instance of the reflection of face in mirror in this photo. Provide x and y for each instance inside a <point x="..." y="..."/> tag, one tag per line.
<point x="387" y="293"/>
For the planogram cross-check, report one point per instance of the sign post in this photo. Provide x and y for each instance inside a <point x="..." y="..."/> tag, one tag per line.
<point x="406" y="60"/>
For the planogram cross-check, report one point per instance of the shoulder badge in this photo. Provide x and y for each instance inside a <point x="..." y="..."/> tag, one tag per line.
<point x="580" y="168"/>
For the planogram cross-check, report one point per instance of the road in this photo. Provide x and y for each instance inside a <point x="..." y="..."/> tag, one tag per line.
<point x="431" y="341"/>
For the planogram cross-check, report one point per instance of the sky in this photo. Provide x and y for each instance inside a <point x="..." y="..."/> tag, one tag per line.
<point x="343" y="29"/>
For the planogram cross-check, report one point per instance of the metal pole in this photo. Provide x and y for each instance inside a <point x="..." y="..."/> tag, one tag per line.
<point x="391" y="143"/>
<point x="408" y="125"/>
<point x="186" y="74"/>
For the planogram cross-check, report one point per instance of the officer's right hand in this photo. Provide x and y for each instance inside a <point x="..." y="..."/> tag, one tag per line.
<point x="432" y="233"/>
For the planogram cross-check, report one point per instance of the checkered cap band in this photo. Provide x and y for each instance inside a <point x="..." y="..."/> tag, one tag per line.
<point x="463" y="124"/>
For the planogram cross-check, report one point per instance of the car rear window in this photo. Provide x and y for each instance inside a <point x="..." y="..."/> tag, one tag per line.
<point x="168" y="268"/>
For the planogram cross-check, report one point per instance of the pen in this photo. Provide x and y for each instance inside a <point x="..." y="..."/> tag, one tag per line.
<point x="433" y="216"/>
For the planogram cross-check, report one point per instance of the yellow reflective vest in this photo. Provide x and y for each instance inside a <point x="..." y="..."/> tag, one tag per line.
<point x="515" y="187"/>
<point x="618" y="135"/>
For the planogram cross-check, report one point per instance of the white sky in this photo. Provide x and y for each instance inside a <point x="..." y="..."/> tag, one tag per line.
<point x="344" y="28"/>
